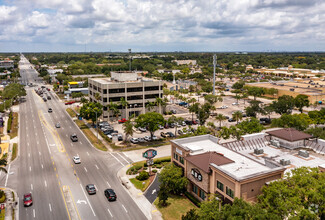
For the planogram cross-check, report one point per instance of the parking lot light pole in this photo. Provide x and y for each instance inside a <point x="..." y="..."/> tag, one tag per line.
<point x="96" y="126"/>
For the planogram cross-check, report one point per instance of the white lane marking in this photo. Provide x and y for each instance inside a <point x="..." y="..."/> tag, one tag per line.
<point x="108" y="184"/>
<point x="80" y="142"/>
<point x="125" y="155"/>
<point x="42" y="166"/>
<point x="34" y="212"/>
<point x="39" y="153"/>
<point x="70" y="127"/>
<point x="123" y="158"/>
<point x="26" y="135"/>
<point x="27" y="144"/>
<point x="71" y="144"/>
<point x="7" y="175"/>
<point x="28" y="154"/>
<point x="35" y="134"/>
<point x="66" y="135"/>
<point x="110" y="213"/>
<point x="62" y="128"/>
<point x="56" y="116"/>
<point x="124" y="208"/>
<point x="31" y="186"/>
<point x="37" y="142"/>
<point x="96" y="166"/>
<point x="87" y="200"/>
<point x="117" y="159"/>
<point x="45" y="183"/>
<point x="85" y="169"/>
<point x="87" y="153"/>
<point x="50" y="207"/>
<point x="30" y="169"/>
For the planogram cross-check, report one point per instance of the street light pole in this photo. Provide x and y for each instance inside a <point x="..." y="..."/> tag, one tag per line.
<point x="96" y="126"/>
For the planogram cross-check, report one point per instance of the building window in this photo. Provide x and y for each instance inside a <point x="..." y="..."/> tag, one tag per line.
<point x="151" y="88"/>
<point x="116" y="90"/>
<point x="90" y="86"/>
<point x="181" y="159"/>
<point x="229" y="192"/>
<point x="194" y="189"/>
<point x="202" y="194"/>
<point x="105" y="108"/>
<point x="90" y="92"/>
<point x="220" y="186"/>
<point x="137" y="89"/>
<point x="115" y="99"/>
<point x="175" y="156"/>
<point x="105" y="91"/>
<point x="152" y="96"/>
<point x="104" y="99"/>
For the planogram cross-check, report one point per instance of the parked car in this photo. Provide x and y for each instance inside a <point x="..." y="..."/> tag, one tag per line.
<point x="161" y="127"/>
<point x="170" y="134"/>
<point x="182" y="103"/>
<point x="147" y="138"/>
<point x="120" y="137"/>
<point x="172" y="125"/>
<point x="134" y="140"/>
<point x="235" y="103"/>
<point x="142" y="129"/>
<point x="183" y="123"/>
<point x="74" y="137"/>
<point x="194" y="122"/>
<point x="265" y="120"/>
<point x="123" y="120"/>
<point x="154" y="138"/>
<point x="141" y="140"/>
<point x="69" y="103"/>
<point x="28" y="200"/>
<point x="163" y="134"/>
<point x="173" y="111"/>
<point x="109" y="136"/>
<point x="231" y="120"/>
<point x="188" y="122"/>
<point x="110" y="194"/>
<point x="76" y="159"/>
<point x="91" y="189"/>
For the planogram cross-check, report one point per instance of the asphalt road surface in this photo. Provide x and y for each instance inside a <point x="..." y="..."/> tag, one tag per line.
<point x="152" y="192"/>
<point x="46" y="169"/>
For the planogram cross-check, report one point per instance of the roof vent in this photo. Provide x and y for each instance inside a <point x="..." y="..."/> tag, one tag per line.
<point x="275" y="143"/>
<point x="258" y="151"/>
<point x="303" y="153"/>
<point x="284" y="162"/>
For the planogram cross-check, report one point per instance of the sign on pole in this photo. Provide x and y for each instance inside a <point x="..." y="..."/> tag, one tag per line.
<point x="149" y="154"/>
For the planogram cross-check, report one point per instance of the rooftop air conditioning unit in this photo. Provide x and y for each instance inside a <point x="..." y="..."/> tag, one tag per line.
<point x="275" y="143"/>
<point x="258" y="151"/>
<point x="285" y="162"/>
<point x="303" y="153"/>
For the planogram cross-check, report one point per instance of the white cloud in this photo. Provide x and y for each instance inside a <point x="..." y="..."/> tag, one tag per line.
<point x="190" y="24"/>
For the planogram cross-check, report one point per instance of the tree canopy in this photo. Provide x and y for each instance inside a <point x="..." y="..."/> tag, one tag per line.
<point x="151" y="121"/>
<point x="88" y="111"/>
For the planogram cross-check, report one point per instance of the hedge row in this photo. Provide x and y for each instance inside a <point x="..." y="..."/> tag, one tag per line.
<point x="193" y="199"/>
<point x="9" y="123"/>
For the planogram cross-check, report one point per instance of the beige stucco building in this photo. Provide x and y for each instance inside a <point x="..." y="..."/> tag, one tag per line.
<point x="136" y="90"/>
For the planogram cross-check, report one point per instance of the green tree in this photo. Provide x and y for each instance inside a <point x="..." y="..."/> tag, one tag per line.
<point x="89" y="110"/>
<point x="284" y="105"/>
<point x="297" y="121"/>
<point x="150" y="105"/>
<point x="151" y="121"/>
<point x="220" y="118"/>
<point x="238" y="85"/>
<point x="190" y="215"/>
<point x="13" y="90"/>
<point x="124" y="104"/>
<point x="253" y="108"/>
<point x="113" y="107"/>
<point x="254" y="91"/>
<point x="194" y="108"/>
<point x="212" y="99"/>
<point x="128" y="129"/>
<point x="163" y="195"/>
<point x="237" y="115"/>
<point x="175" y="120"/>
<point x="160" y="102"/>
<point x="97" y="96"/>
<point x="301" y="101"/>
<point x="172" y="178"/>
<point x="203" y="112"/>
<point x="3" y="164"/>
<point x="250" y="126"/>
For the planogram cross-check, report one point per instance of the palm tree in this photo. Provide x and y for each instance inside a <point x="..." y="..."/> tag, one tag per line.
<point x="159" y="102"/>
<point x="84" y="100"/>
<point x="97" y="96"/>
<point x="114" y="108"/>
<point x="128" y="129"/>
<point x="244" y="96"/>
<point x="164" y="104"/>
<point x="220" y="118"/>
<point x="150" y="106"/>
<point x="3" y="164"/>
<point x="124" y="103"/>
<point x="237" y="115"/>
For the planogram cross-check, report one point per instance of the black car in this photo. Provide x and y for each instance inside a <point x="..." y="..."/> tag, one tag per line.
<point x="74" y="138"/>
<point x="110" y="194"/>
<point x="188" y="122"/>
<point x="170" y="134"/>
<point x="231" y="120"/>
<point x="172" y="125"/>
<point x="91" y="189"/>
<point x="50" y="110"/>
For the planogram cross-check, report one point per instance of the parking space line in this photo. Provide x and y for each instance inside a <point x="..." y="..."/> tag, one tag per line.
<point x="110" y="213"/>
<point x="50" y="207"/>
<point x="108" y="184"/>
<point x="85" y="169"/>
<point x="96" y="166"/>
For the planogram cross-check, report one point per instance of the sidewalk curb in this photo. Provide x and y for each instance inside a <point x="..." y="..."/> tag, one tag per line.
<point x="10" y="204"/>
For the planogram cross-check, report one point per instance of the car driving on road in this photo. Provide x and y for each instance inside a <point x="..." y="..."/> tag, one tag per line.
<point x="57" y="125"/>
<point x="110" y="194"/>
<point x="28" y="200"/>
<point x="74" y="138"/>
<point x="91" y="189"/>
<point x="76" y="159"/>
<point x="50" y="110"/>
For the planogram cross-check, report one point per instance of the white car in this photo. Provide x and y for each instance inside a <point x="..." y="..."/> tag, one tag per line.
<point x="235" y="103"/>
<point x="134" y="140"/>
<point x="154" y="138"/>
<point x="76" y="159"/>
<point x="147" y="138"/>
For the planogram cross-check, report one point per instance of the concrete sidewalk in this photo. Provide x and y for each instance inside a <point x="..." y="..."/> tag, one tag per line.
<point x="137" y="195"/>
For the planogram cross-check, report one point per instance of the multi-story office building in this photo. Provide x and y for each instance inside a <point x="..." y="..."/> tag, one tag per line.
<point x="136" y="90"/>
<point x="6" y="64"/>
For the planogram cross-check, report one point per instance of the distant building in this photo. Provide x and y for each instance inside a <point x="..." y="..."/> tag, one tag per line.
<point x="75" y="85"/>
<point x="185" y="62"/>
<point x="136" y="90"/>
<point x="6" y="64"/>
<point x="291" y="72"/>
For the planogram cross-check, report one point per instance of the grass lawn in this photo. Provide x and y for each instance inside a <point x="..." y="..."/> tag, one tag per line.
<point x="14" y="151"/>
<point x="71" y="112"/>
<point x="14" y="127"/>
<point x="176" y="207"/>
<point x="90" y="135"/>
<point x="139" y="184"/>
<point x="2" y="214"/>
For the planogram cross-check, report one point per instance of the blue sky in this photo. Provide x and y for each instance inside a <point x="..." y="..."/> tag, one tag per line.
<point x="168" y="25"/>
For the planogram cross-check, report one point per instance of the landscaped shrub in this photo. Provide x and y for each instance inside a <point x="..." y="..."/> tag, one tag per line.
<point x="137" y="167"/>
<point x="193" y="199"/>
<point x="145" y="164"/>
<point x="9" y="123"/>
<point x="143" y="176"/>
<point x="2" y="196"/>
<point x="159" y="166"/>
<point x="154" y="171"/>
<point x="145" y="168"/>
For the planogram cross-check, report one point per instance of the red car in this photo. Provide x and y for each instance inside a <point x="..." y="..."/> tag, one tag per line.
<point x="28" y="200"/>
<point x="69" y="103"/>
<point x="122" y="120"/>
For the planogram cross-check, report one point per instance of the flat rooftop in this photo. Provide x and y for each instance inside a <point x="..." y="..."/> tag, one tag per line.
<point x="107" y="80"/>
<point x="242" y="166"/>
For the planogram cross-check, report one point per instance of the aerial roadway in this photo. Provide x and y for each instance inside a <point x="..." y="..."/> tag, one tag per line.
<point x="46" y="169"/>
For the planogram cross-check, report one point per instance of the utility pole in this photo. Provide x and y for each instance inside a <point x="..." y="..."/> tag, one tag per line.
<point x="214" y="73"/>
<point x="130" y="58"/>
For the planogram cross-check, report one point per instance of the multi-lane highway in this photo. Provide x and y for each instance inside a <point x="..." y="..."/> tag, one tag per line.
<point x="46" y="169"/>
